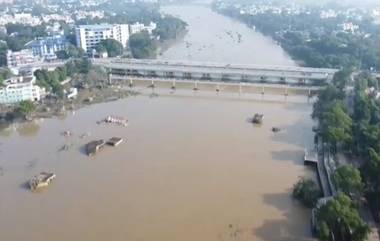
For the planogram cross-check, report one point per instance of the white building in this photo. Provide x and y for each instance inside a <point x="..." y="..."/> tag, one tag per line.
<point x="138" y="27"/>
<point x="20" y="88"/>
<point x="89" y="36"/>
<point x="21" y="58"/>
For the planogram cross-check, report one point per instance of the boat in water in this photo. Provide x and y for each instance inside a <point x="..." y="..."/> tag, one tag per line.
<point x="258" y="118"/>
<point x="114" y="141"/>
<point x="41" y="180"/>
<point x="115" y="120"/>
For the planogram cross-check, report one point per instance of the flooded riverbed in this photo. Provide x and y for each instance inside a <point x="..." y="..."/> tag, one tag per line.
<point x="213" y="37"/>
<point x="190" y="169"/>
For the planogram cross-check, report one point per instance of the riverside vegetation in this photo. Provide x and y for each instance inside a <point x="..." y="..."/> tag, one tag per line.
<point x="348" y="115"/>
<point x="312" y="40"/>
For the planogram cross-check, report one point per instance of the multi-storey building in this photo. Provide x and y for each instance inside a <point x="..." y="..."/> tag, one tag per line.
<point x="18" y="89"/>
<point x="21" y="58"/>
<point x="89" y="36"/>
<point x="46" y="47"/>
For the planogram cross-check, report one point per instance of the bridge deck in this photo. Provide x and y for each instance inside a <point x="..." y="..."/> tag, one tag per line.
<point x="244" y="71"/>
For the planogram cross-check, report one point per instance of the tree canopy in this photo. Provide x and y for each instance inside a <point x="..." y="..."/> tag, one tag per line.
<point x="348" y="179"/>
<point x="142" y="45"/>
<point x="169" y="27"/>
<point x="26" y="107"/>
<point x="112" y="47"/>
<point x="307" y="192"/>
<point x="4" y="74"/>
<point x="3" y="53"/>
<point x="336" y="125"/>
<point x="339" y="220"/>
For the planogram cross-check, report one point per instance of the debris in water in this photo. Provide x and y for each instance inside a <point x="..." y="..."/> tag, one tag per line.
<point x="276" y="129"/>
<point x="258" y="118"/>
<point x="41" y="180"/>
<point x="67" y="133"/>
<point x="84" y="135"/>
<point x="115" y="120"/>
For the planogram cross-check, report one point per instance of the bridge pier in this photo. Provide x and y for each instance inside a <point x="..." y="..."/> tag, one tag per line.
<point x="130" y="82"/>
<point x="173" y="85"/>
<point x="110" y="78"/>
<point x="195" y="85"/>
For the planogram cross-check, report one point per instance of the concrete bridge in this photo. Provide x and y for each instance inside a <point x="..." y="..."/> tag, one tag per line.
<point x="207" y="71"/>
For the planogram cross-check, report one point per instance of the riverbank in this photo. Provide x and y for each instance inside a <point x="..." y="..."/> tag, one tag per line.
<point x="53" y="107"/>
<point x="310" y="39"/>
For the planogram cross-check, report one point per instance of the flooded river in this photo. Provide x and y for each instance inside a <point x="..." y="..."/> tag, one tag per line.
<point x="190" y="169"/>
<point x="213" y="37"/>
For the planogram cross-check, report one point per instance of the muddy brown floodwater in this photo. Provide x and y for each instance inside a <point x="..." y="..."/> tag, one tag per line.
<point x="190" y="169"/>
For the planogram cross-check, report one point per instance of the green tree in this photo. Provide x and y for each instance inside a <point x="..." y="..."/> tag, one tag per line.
<point x="169" y="27"/>
<point x="26" y="107"/>
<point x="142" y="45"/>
<point x="70" y="52"/>
<point x="371" y="170"/>
<point x="341" y="78"/>
<point x="307" y="192"/>
<point x="83" y="65"/>
<point x="112" y="47"/>
<point x="325" y="97"/>
<point x="3" y="53"/>
<point x="336" y="125"/>
<point x="348" y="179"/>
<point x="5" y="73"/>
<point x="339" y="220"/>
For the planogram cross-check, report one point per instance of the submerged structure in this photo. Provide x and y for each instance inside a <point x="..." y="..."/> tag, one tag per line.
<point x="114" y="141"/>
<point x="258" y="118"/>
<point x="93" y="147"/>
<point x="41" y="180"/>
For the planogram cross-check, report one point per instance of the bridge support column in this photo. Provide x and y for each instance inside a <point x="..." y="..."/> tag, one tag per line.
<point x="262" y="90"/>
<point x="110" y="78"/>
<point x="195" y="85"/>
<point x="130" y="82"/>
<point x="173" y="85"/>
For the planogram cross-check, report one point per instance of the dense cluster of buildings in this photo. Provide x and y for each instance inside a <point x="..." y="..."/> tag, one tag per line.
<point x="36" y="51"/>
<point x="44" y="49"/>
<point x="348" y="15"/>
